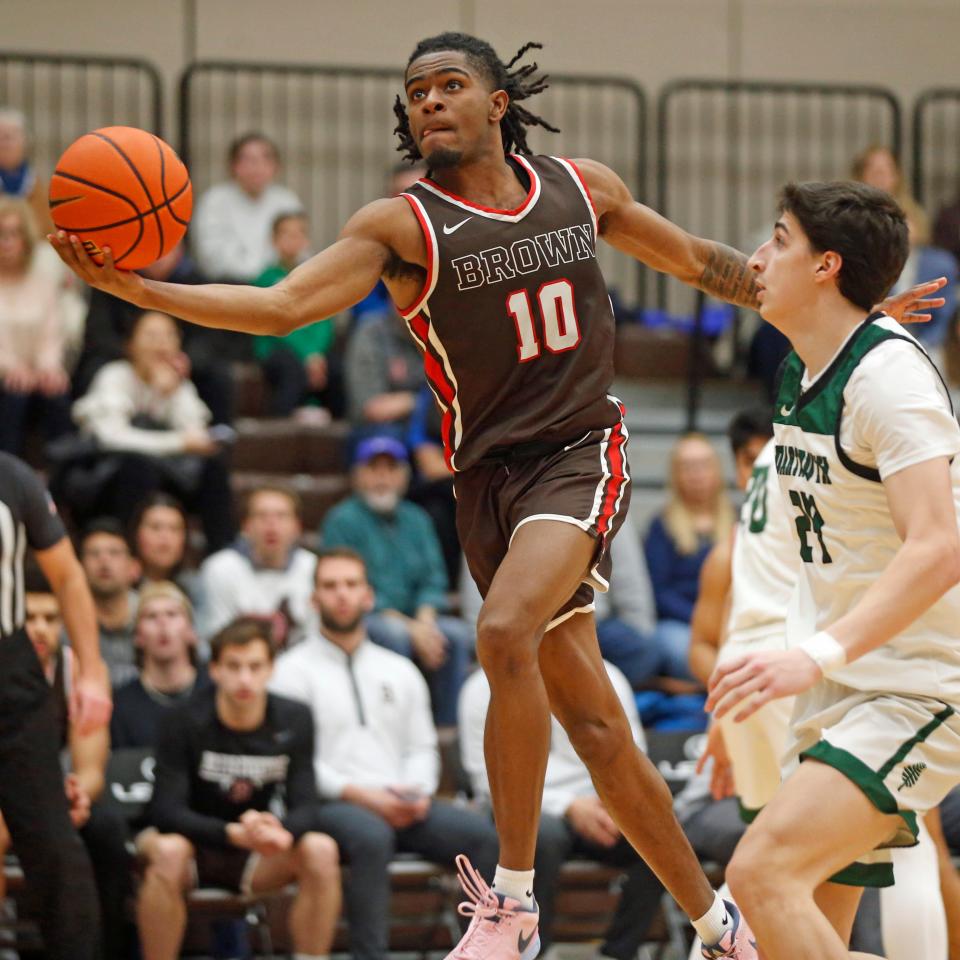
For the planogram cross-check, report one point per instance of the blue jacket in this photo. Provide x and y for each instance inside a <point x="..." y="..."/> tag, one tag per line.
<point x="933" y="262"/>
<point x="675" y="576"/>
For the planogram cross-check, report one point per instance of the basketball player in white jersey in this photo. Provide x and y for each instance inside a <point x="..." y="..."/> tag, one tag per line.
<point x="742" y="608"/>
<point x="866" y="445"/>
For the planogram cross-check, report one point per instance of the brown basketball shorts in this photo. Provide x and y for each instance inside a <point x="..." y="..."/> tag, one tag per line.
<point x="585" y="482"/>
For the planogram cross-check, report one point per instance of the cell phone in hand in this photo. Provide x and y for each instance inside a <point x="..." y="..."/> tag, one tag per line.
<point x="223" y="433"/>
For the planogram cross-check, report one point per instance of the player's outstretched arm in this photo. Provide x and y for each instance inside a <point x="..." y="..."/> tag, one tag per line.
<point x="331" y="281"/>
<point x="642" y="233"/>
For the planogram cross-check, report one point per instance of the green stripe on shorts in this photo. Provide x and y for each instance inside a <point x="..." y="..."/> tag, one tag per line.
<point x="919" y="737"/>
<point x="865" y="875"/>
<point x="869" y="781"/>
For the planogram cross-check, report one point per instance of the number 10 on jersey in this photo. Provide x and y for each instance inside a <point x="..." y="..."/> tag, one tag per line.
<point x="558" y="317"/>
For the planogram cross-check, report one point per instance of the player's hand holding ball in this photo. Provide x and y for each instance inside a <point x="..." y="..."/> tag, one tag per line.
<point x="120" y="199"/>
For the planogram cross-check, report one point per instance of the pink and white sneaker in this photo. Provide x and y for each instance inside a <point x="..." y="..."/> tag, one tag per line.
<point x="500" y="929"/>
<point x="737" y="943"/>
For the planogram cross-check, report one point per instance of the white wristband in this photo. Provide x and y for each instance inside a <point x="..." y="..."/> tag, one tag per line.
<point x="825" y="652"/>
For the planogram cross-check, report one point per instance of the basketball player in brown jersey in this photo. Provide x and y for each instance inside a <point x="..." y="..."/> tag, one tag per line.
<point x="491" y="259"/>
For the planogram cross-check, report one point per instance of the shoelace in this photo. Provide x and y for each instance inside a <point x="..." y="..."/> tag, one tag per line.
<point x="481" y="904"/>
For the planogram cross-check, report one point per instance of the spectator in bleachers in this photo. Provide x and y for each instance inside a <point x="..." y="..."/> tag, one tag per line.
<point x="111" y="574"/>
<point x="298" y="367"/>
<point x="206" y="352"/>
<point x="265" y="572"/>
<point x="18" y="178"/>
<point x="626" y="614"/>
<point x="946" y="228"/>
<point x="400" y="547"/>
<point x="159" y="541"/>
<point x="574" y="824"/>
<point x="167" y="659"/>
<point x="879" y="167"/>
<point x="149" y="430"/>
<point x="377" y="760"/>
<point x="224" y="760"/>
<point x="927" y="262"/>
<point x="432" y="484"/>
<point x="698" y="514"/>
<point x="33" y="376"/>
<point x="100" y="827"/>
<point x="383" y="373"/>
<point x="231" y="225"/>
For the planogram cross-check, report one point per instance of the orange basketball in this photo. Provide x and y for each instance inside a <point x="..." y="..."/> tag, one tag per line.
<point x="122" y="188"/>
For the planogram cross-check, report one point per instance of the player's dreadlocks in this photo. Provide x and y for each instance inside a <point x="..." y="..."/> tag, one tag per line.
<point x="519" y="84"/>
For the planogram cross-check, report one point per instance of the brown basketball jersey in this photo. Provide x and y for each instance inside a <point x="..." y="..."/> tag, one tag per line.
<point x="514" y="319"/>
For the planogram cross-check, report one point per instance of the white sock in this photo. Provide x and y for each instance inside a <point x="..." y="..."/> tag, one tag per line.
<point x="714" y="923"/>
<point x="516" y="884"/>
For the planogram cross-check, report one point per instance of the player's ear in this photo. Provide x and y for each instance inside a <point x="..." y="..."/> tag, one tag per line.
<point x="829" y="265"/>
<point x="499" y="101"/>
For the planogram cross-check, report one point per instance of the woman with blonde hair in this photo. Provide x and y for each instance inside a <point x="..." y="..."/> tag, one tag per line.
<point x="32" y="332"/>
<point x="697" y="515"/>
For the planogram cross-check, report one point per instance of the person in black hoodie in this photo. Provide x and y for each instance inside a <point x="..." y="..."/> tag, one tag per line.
<point x="224" y="760"/>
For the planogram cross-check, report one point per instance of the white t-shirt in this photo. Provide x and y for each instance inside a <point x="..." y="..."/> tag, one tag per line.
<point x="232" y="231"/>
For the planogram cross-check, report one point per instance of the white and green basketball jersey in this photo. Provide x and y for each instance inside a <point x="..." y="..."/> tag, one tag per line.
<point x="765" y="561"/>
<point x="842" y="527"/>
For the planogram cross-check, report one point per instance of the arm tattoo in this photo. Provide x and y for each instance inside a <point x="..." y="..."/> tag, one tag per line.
<point x="727" y="276"/>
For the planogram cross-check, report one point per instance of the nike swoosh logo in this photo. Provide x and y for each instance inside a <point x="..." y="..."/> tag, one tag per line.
<point x="448" y="230"/>
<point x="53" y="204"/>
<point x="524" y="942"/>
<point x="785" y="411"/>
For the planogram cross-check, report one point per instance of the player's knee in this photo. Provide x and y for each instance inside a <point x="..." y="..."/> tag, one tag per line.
<point x="598" y="739"/>
<point x="168" y="858"/>
<point x="752" y="871"/>
<point x="318" y="857"/>
<point x="504" y="644"/>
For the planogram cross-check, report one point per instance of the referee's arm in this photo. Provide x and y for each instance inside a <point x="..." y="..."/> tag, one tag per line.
<point x="90" y="702"/>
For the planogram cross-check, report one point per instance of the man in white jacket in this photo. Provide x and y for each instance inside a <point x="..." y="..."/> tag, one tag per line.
<point x="377" y="761"/>
<point x="573" y="821"/>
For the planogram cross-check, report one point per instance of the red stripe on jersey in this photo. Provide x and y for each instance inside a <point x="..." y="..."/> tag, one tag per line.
<point x="438" y="378"/>
<point x="431" y="258"/>
<point x="479" y="206"/>
<point x="583" y="183"/>
<point x="616" y="481"/>
<point x="446" y="428"/>
<point x="421" y="328"/>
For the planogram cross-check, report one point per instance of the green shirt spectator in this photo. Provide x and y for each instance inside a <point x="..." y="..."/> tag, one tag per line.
<point x="401" y="549"/>
<point x="316" y="338"/>
<point x="297" y="367"/>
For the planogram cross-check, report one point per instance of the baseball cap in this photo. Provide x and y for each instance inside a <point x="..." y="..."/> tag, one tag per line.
<point x="378" y="446"/>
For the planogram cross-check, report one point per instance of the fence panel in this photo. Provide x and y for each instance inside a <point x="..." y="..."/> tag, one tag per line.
<point x="334" y="128"/>
<point x="66" y="96"/>
<point x="936" y="148"/>
<point x="725" y="148"/>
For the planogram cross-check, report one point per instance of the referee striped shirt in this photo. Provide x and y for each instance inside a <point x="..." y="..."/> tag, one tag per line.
<point x="28" y="517"/>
